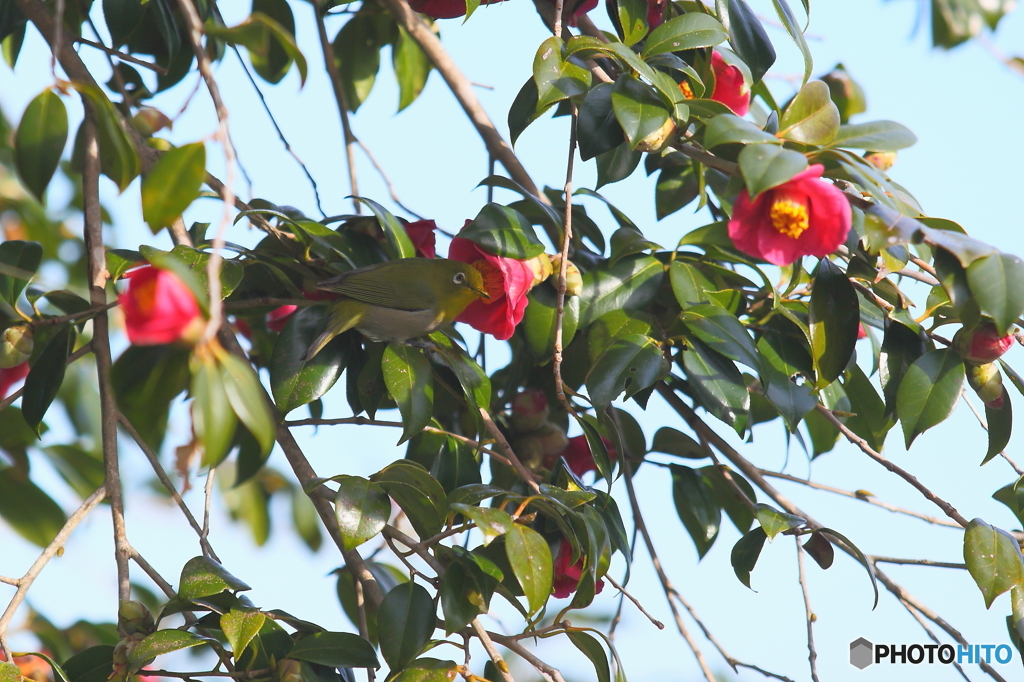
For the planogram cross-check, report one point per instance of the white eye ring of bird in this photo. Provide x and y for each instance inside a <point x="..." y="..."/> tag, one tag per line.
<point x="459" y="278"/>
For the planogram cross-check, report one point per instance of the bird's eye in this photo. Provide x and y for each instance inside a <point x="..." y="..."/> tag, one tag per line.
<point x="459" y="278"/>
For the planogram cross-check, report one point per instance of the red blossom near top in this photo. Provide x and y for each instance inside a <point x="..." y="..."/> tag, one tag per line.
<point x="801" y="217"/>
<point x="565" y="575"/>
<point x="10" y="376"/>
<point x="421" y="234"/>
<point x="506" y="280"/>
<point x="159" y="308"/>
<point x="983" y="344"/>
<point x="443" y="9"/>
<point x="730" y="88"/>
<point x="578" y="456"/>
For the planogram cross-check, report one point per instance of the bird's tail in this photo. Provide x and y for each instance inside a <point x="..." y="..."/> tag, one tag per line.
<point x="340" y="317"/>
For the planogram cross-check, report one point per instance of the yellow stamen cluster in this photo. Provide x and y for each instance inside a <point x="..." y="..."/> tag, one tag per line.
<point x="789" y="217"/>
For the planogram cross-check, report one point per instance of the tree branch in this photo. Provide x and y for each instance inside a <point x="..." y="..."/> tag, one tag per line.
<point x="812" y="656"/>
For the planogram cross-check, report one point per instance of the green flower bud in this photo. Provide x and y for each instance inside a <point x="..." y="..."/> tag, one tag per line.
<point x="987" y="382"/>
<point x="15" y="346"/>
<point x="133" y="617"/>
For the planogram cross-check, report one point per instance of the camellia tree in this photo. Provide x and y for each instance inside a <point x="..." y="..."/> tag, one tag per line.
<point x="752" y="318"/>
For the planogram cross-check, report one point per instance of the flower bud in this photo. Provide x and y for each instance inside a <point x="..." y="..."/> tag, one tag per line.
<point x="987" y="382"/>
<point x="542" y="445"/>
<point x="656" y="140"/>
<point x="883" y="161"/>
<point x="981" y="344"/>
<point x="541" y="267"/>
<point x="133" y="618"/>
<point x="573" y="278"/>
<point x="289" y="670"/>
<point x="529" y="410"/>
<point x="15" y="346"/>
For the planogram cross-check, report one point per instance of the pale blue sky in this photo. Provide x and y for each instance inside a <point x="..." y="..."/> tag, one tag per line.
<point x="965" y="108"/>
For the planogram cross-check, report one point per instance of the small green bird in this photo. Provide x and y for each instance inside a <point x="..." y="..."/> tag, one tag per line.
<point x="399" y="300"/>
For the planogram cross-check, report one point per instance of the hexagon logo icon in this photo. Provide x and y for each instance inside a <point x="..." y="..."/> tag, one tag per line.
<point x="861" y="653"/>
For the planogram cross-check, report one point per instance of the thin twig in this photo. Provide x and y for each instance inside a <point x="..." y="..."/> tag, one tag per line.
<point x="492" y="651"/>
<point x="153" y="574"/>
<point x="161" y="474"/>
<point x="499" y="437"/>
<point x="657" y="623"/>
<point x="386" y="179"/>
<point x="76" y="317"/>
<point x="204" y="536"/>
<point x="563" y="263"/>
<point x="931" y="635"/>
<point x="122" y="56"/>
<point x="25" y="582"/>
<point x="97" y="272"/>
<point x="280" y="133"/>
<point x="343" y="106"/>
<point x="860" y="495"/>
<point x="527" y="655"/>
<point x="946" y="507"/>
<point x="984" y="425"/>
<point x="812" y="655"/>
<point x="915" y="562"/>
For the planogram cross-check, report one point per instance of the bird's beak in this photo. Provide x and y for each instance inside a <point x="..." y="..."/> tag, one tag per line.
<point x="483" y="294"/>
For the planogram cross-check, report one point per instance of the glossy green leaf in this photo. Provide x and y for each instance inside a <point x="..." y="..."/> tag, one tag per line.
<point x="629" y="285"/>
<point x="28" y="509"/>
<point x="362" y="509"/>
<point x="812" y="117"/>
<point x="409" y="379"/>
<point x="596" y="126"/>
<point x="870" y="420"/>
<point x="997" y="283"/>
<point x="901" y="346"/>
<point x="335" y="650"/>
<point x="993" y="559"/>
<point x="146" y="379"/>
<point x="118" y="158"/>
<point x="172" y="184"/>
<point x="46" y="376"/>
<point x="203" y="577"/>
<point x="628" y="365"/>
<point x="19" y="261"/>
<point x="557" y="75"/>
<point x="685" y="32"/>
<point x="792" y="27"/>
<point x="821" y="550"/>
<point x="632" y="16"/>
<point x="593" y="650"/>
<point x="357" y="52"/>
<point x="747" y="36"/>
<point x="876" y="136"/>
<point x="159" y="643"/>
<point x="723" y="332"/>
<point x="834" y="318"/>
<point x="689" y="284"/>
<point x="746" y="552"/>
<point x="792" y="400"/>
<point x="411" y="68"/>
<point x="617" y="164"/>
<point x="428" y="670"/>
<point x="731" y="129"/>
<point x="717" y="385"/>
<point x="213" y="418"/>
<point x="39" y="142"/>
<point x="462" y="596"/>
<point x="696" y="506"/>
<point x="1000" y="427"/>
<point x="539" y="322"/>
<point x="405" y="622"/>
<point x="503" y="231"/>
<point x="273" y="63"/>
<point x="95" y="664"/>
<point x="245" y="394"/>
<point x="240" y="627"/>
<point x="628" y="241"/>
<point x="418" y="493"/>
<point x="294" y="381"/>
<point x="929" y="391"/>
<point x="523" y="111"/>
<point x="395" y="232"/>
<point x="257" y="33"/>
<point x="9" y="672"/>
<point x="639" y="110"/>
<point x="677" y="187"/>
<point x="492" y="523"/>
<point x="774" y="522"/>
<point x="765" y="166"/>
<point x="673" y="442"/>
<point x="530" y="558"/>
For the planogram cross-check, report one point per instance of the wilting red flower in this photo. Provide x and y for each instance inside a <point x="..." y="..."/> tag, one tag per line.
<point x="579" y="458"/>
<point x="443" y="9"/>
<point x="565" y="575"/>
<point x="507" y="280"/>
<point x="982" y="344"/>
<point x="159" y="308"/>
<point x="421" y="233"/>
<point x="10" y="376"/>
<point x="801" y="217"/>
<point x="730" y="88"/>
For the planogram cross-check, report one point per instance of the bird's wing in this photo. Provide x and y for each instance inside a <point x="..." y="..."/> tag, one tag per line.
<point x="383" y="286"/>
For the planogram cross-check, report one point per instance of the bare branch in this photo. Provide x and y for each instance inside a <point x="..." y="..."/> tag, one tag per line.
<point x="563" y="263"/>
<point x="499" y="437"/>
<point x="492" y="651"/>
<point x="122" y="56"/>
<point x="812" y="655"/>
<point x="657" y="623"/>
<point x="915" y="562"/>
<point x="386" y="179"/>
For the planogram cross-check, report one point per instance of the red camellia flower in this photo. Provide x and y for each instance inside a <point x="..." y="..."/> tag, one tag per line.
<point x="566" y="576"/>
<point x="278" y="317"/>
<point x="443" y="9"/>
<point x="982" y="344"/>
<point x="421" y="233"/>
<point x="10" y="376"/>
<point x="159" y="308"/>
<point x="862" y="333"/>
<point x="579" y="458"/>
<point x="507" y="280"/>
<point x="801" y="217"/>
<point x="730" y="88"/>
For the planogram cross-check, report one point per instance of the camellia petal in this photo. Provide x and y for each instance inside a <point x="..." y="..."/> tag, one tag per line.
<point x="11" y="376"/>
<point x="730" y="87"/>
<point x="159" y="308"/>
<point x="801" y="217"/>
<point x="421" y="234"/>
<point x="507" y="280"/>
<point x="443" y="9"/>
<point x="566" y="575"/>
